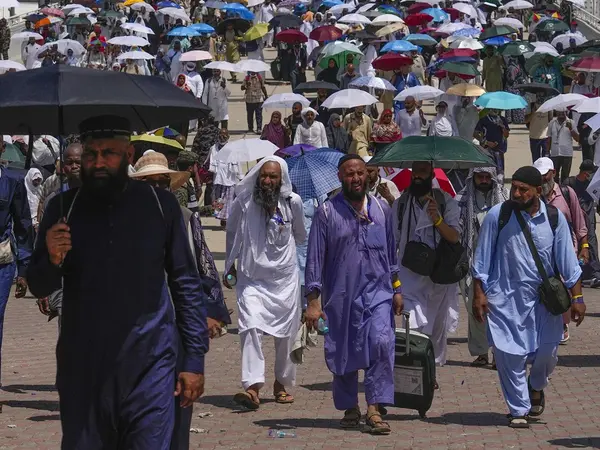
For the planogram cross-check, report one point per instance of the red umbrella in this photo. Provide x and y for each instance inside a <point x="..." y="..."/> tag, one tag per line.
<point x="454" y="13"/>
<point x="326" y="33"/>
<point x="589" y="64"/>
<point x="391" y="61"/>
<point x="459" y="52"/>
<point x="417" y="8"/>
<point x="53" y="12"/>
<point x="291" y="36"/>
<point x="417" y="19"/>
<point x="403" y="178"/>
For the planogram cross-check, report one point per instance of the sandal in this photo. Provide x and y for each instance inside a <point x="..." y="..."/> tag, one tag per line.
<point x="351" y="418"/>
<point x="481" y="361"/>
<point x="379" y="427"/>
<point x="247" y="400"/>
<point x="283" y="397"/>
<point x="518" y="422"/>
<point x="537" y="405"/>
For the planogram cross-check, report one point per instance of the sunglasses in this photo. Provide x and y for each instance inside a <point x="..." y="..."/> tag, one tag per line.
<point x="161" y="183"/>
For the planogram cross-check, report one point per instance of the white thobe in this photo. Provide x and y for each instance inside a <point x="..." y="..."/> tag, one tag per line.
<point x="215" y="96"/>
<point x="30" y="55"/>
<point x="466" y="120"/>
<point x="314" y="135"/>
<point x="366" y="61"/>
<point x="176" y="65"/>
<point x="225" y="174"/>
<point x="445" y="84"/>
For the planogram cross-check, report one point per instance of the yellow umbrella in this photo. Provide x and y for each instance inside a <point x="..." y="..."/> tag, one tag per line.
<point x="391" y="28"/>
<point x="157" y="140"/>
<point x="132" y="2"/>
<point x="466" y="90"/>
<point x="256" y="32"/>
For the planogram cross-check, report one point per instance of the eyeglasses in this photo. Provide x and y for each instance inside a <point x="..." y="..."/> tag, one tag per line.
<point x="161" y="183"/>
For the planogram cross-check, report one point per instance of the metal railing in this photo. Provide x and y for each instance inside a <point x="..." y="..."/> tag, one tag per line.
<point x="17" y="21"/>
<point x="588" y="17"/>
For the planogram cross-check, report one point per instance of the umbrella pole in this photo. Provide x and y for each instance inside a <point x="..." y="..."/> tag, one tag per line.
<point x="61" y="153"/>
<point x="29" y="155"/>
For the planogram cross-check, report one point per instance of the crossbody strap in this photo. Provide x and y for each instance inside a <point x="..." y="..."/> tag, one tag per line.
<point x="532" y="247"/>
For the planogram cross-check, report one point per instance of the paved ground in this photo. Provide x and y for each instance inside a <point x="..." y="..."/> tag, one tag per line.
<point x="468" y="411"/>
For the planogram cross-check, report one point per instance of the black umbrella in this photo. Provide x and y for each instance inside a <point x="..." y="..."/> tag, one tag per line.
<point x="56" y="99"/>
<point x="240" y="25"/>
<point x="285" y="21"/>
<point x="314" y="86"/>
<point x="537" y="88"/>
<point x="364" y="35"/>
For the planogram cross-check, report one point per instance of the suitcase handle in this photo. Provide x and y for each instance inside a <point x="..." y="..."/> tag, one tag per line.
<point x="406" y="315"/>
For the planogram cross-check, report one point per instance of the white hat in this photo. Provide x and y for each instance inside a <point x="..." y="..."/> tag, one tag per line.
<point x="543" y="165"/>
<point x="154" y="163"/>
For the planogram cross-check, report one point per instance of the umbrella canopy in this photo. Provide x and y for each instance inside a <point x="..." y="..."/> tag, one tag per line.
<point x="244" y="150"/>
<point x="7" y="64"/>
<point x="313" y="86"/>
<point x="391" y="61"/>
<point x="221" y="65"/>
<point x="552" y="26"/>
<point x="326" y="33"/>
<point x="437" y="14"/>
<point x="372" y="82"/>
<point x="589" y="105"/>
<point x="354" y="19"/>
<point x="464" y="52"/>
<point x="72" y="22"/>
<point x="285" y="100"/>
<point x="183" y="32"/>
<point x="196" y="55"/>
<point x="442" y="152"/>
<point x="138" y="28"/>
<point x="348" y="98"/>
<point x="386" y="19"/>
<point x="111" y="14"/>
<point x="516" y="48"/>
<point x="451" y="28"/>
<point x="168" y="4"/>
<point x="64" y="45"/>
<point x="419" y="93"/>
<point x="156" y="139"/>
<point x="252" y="65"/>
<point x="314" y="174"/>
<point x="238" y="9"/>
<point x="285" y="21"/>
<point x="240" y="25"/>
<point x="501" y="100"/>
<point x="497" y="41"/>
<point x="166" y="132"/>
<point x="424" y="40"/>
<point x="202" y="28"/>
<point x="53" y="12"/>
<point x="538" y="88"/>
<point x="510" y="22"/>
<point x="460" y="68"/>
<point x="291" y="36"/>
<point x="295" y="150"/>
<point x="175" y="13"/>
<point x="403" y="180"/>
<point x="129" y="41"/>
<point x="472" y="44"/>
<point x="517" y="4"/>
<point x="13" y="156"/>
<point x="398" y="47"/>
<point x="466" y="90"/>
<point x="337" y="50"/>
<point x="561" y="102"/>
<point x="565" y="39"/>
<point x="135" y="55"/>
<point x="26" y="35"/>
<point x="417" y="7"/>
<point x="390" y="29"/>
<point x="466" y="8"/>
<point x="501" y="30"/>
<point x="418" y="19"/>
<point x="591" y="64"/>
<point x="593" y="122"/>
<point x="467" y="32"/>
<point x="256" y="32"/>
<point x="56" y="99"/>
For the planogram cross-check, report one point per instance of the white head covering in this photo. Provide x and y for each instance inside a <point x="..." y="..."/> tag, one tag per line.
<point x="308" y="109"/>
<point x="33" y="192"/>
<point x="246" y="186"/>
<point x="42" y="154"/>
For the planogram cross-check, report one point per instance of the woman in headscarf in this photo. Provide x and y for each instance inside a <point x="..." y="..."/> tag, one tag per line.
<point x="226" y="176"/>
<point x="441" y="124"/>
<point x="330" y="75"/>
<point x="386" y="130"/>
<point x="515" y="75"/>
<point x="337" y="136"/>
<point x="33" y="184"/>
<point x="275" y="132"/>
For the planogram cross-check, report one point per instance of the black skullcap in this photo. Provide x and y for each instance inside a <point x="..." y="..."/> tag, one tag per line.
<point x="348" y="157"/>
<point x="587" y="166"/>
<point x="102" y="127"/>
<point x="528" y="175"/>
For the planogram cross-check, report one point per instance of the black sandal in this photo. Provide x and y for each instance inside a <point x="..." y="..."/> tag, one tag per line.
<point x="377" y="428"/>
<point x="481" y="361"/>
<point x="351" y="418"/>
<point x="537" y="405"/>
<point x="518" y="422"/>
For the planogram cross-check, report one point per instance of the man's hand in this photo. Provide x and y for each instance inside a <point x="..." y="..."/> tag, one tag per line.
<point x="491" y="144"/>
<point x="44" y="306"/>
<point x="384" y="191"/>
<point x="21" y="288"/>
<point x="189" y="387"/>
<point x="480" y="308"/>
<point x="398" y="304"/>
<point x="58" y="241"/>
<point x="214" y="327"/>
<point x="432" y="209"/>
<point x="577" y="312"/>
<point x="584" y="254"/>
<point x="313" y="314"/>
<point x="569" y="125"/>
<point x="233" y="272"/>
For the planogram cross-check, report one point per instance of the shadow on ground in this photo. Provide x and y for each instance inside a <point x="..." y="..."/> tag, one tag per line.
<point x="42" y="405"/>
<point x="44" y="418"/>
<point x="24" y="388"/>
<point x="583" y="442"/>
<point x="283" y="424"/>
<point x="579" y="360"/>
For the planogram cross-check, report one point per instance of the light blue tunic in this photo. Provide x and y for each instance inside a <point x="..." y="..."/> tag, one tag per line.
<point x="517" y="322"/>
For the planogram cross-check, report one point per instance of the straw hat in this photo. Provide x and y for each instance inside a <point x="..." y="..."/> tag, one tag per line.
<point x="154" y="163"/>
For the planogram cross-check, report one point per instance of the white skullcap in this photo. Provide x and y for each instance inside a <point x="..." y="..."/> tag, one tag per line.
<point x="309" y="109"/>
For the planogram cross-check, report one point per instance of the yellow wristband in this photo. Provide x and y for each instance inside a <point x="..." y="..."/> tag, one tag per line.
<point x="396" y="284"/>
<point x="438" y="222"/>
<point x="577" y="296"/>
<point x="586" y="245"/>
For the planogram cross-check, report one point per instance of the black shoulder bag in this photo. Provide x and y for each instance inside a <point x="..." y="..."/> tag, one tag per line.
<point x="418" y="256"/>
<point x="553" y="292"/>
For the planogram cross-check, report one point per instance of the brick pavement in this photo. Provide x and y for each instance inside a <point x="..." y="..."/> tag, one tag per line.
<point x="467" y="413"/>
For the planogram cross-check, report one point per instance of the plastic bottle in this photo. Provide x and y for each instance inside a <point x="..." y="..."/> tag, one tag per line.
<point x="322" y="326"/>
<point x="581" y="262"/>
<point x="231" y="279"/>
<point x="218" y="206"/>
<point x="281" y="434"/>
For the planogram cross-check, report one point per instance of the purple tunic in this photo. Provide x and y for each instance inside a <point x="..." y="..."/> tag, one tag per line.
<point x="351" y="262"/>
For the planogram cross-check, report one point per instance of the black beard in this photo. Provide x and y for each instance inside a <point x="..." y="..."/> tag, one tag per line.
<point x="355" y="196"/>
<point x="484" y="187"/>
<point x="109" y="187"/>
<point x="266" y="198"/>
<point x="522" y="206"/>
<point x="420" y="187"/>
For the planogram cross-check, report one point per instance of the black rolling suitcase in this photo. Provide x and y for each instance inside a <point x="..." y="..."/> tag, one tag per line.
<point x="414" y="370"/>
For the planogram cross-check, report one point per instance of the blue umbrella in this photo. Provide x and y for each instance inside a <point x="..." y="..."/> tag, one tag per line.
<point x="437" y="14"/>
<point x="497" y="40"/>
<point x="168" y="4"/>
<point x="501" y="100"/>
<point x="238" y="10"/>
<point x="331" y="3"/>
<point x="467" y="32"/>
<point x="420" y="39"/>
<point x="315" y="173"/>
<point x="202" y="28"/>
<point x="398" y="46"/>
<point x="183" y="32"/>
<point x="390" y="9"/>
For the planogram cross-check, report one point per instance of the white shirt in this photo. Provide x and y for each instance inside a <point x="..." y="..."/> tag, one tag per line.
<point x="226" y="174"/>
<point x="314" y="135"/>
<point x="410" y="124"/>
<point x="562" y="141"/>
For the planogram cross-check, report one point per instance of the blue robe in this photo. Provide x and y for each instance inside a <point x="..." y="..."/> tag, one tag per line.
<point x="118" y="347"/>
<point x="401" y="83"/>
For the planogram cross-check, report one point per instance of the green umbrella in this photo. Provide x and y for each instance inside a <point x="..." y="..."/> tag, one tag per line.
<point x="552" y="26"/>
<point x="111" y="14"/>
<point x="338" y="50"/>
<point x="78" y="21"/>
<point x="538" y="59"/>
<point x="13" y="156"/>
<point x="442" y="152"/>
<point x="460" y="67"/>
<point x="516" y="48"/>
<point x="501" y="30"/>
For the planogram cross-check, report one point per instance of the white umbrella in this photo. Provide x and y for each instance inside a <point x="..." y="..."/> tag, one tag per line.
<point x="509" y="21"/>
<point x="251" y="65"/>
<point x="469" y="43"/>
<point x="449" y="28"/>
<point x="564" y="39"/>
<point x="541" y="45"/>
<point x="561" y="102"/>
<point x="349" y="98"/>
<point x="593" y="122"/>
<point x="81" y="10"/>
<point x="9" y="4"/>
<point x="244" y="150"/>
<point x="517" y="4"/>
<point x="354" y="18"/>
<point x="26" y="35"/>
<point x="255" y="3"/>
<point x="285" y="100"/>
<point x="543" y="50"/>
<point x="589" y="105"/>
<point x="221" y="65"/>
<point x="176" y="13"/>
<point x="195" y="55"/>
<point x="386" y="19"/>
<point x="374" y="82"/>
<point x="63" y="46"/>
<point x="215" y="4"/>
<point x="137" y="28"/>
<point x="366" y="7"/>
<point x="129" y="41"/>
<point x="7" y="64"/>
<point x="339" y="9"/>
<point x="466" y="8"/>
<point x="70" y="6"/>
<point x="419" y="93"/>
<point x="140" y="5"/>
<point x="136" y="54"/>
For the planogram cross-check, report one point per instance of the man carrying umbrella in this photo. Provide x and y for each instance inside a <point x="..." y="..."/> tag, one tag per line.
<point x="123" y="373"/>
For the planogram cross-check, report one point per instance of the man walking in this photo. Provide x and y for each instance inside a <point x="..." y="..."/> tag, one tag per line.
<point x="254" y="90"/>
<point x="351" y="265"/>
<point x="507" y="284"/>
<point x="265" y="223"/>
<point x="561" y="133"/>
<point x="122" y="252"/>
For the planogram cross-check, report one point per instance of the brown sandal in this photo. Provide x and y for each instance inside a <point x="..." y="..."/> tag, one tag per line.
<point x="351" y="418"/>
<point x="247" y="400"/>
<point x="379" y="427"/>
<point x="283" y="397"/>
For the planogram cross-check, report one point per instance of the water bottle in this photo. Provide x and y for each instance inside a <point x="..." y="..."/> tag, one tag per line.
<point x="281" y="434"/>
<point x="231" y="279"/>
<point x="581" y="262"/>
<point x="322" y="326"/>
<point x="218" y="205"/>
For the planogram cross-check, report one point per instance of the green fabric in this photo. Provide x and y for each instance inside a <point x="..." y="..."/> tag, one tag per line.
<point x="516" y="48"/>
<point x="460" y="67"/>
